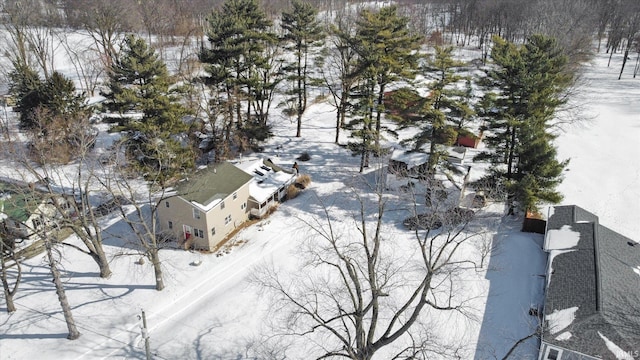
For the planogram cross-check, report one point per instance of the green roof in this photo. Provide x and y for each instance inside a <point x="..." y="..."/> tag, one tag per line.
<point x="213" y="183"/>
<point x="18" y="202"/>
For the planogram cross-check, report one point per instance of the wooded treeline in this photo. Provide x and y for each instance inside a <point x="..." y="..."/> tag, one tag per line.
<point x="573" y="22"/>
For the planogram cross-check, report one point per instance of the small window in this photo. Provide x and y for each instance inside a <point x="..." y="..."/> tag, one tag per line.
<point x="553" y="354"/>
<point x="243" y="205"/>
<point x="222" y="205"/>
<point x="170" y="224"/>
<point x="37" y="223"/>
<point x="200" y="234"/>
<point x="196" y="214"/>
<point x="213" y="231"/>
<point x="235" y="195"/>
<point x="166" y="203"/>
<point x="227" y="220"/>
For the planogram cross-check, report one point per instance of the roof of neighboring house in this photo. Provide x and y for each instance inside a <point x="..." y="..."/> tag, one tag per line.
<point x="209" y="186"/>
<point x="268" y="178"/>
<point x="592" y="303"/>
<point x="18" y="202"/>
<point x="417" y="158"/>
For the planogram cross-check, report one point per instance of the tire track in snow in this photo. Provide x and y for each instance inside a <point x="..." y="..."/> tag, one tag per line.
<point x="243" y="263"/>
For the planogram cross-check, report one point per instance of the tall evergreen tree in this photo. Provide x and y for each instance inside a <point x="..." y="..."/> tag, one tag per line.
<point x="387" y="52"/>
<point x="529" y="84"/>
<point x="52" y="112"/>
<point x="56" y="94"/>
<point x="136" y="77"/>
<point x="139" y="81"/>
<point x="441" y="112"/>
<point x="337" y="66"/>
<point x="237" y="34"/>
<point x="361" y="123"/>
<point x="25" y="85"/>
<point x="303" y="32"/>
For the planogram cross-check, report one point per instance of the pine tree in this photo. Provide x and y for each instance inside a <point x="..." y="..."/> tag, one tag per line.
<point x="303" y="32"/>
<point x="139" y="81"/>
<point x="441" y="113"/>
<point x="526" y="89"/>
<point x="136" y="78"/>
<point x="361" y="124"/>
<point x="52" y="112"/>
<point x="25" y="85"/>
<point x="538" y="172"/>
<point x="238" y="34"/>
<point x="387" y="53"/>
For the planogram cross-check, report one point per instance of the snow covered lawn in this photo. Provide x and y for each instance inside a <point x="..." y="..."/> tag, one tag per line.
<point x="211" y="311"/>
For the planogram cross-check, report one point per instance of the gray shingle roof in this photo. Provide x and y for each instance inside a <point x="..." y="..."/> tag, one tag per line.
<point x="213" y="183"/>
<point x="600" y="276"/>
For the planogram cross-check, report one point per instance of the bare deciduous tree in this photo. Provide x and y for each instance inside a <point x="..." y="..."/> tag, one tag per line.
<point x="9" y="258"/>
<point x="137" y="201"/>
<point x="62" y="296"/>
<point x="86" y="62"/>
<point x="68" y="192"/>
<point x="361" y="291"/>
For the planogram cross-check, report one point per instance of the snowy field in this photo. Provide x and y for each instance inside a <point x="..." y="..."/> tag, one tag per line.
<point x="604" y="173"/>
<point x="213" y="311"/>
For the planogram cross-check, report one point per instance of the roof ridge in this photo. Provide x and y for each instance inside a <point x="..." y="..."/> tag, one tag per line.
<point x="596" y="259"/>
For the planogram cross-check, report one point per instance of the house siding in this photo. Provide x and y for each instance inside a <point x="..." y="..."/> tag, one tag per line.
<point x="180" y="213"/>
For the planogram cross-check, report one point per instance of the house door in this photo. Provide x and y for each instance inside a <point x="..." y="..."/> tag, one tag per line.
<point x="188" y="231"/>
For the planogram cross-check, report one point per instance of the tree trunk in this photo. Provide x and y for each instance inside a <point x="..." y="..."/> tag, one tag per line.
<point x="302" y="99"/>
<point x="337" y="126"/>
<point x="62" y="296"/>
<point x="101" y="259"/>
<point x="9" y="293"/>
<point x="157" y="269"/>
<point x="624" y="59"/>
<point x="511" y="153"/>
<point x="379" y="117"/>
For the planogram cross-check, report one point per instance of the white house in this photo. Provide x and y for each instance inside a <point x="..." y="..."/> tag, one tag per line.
<point x="269" y="185"/>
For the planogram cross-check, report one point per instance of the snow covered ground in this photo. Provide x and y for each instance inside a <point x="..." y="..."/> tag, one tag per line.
<point x="213" y="311"/>
<point x="604" y="173"/>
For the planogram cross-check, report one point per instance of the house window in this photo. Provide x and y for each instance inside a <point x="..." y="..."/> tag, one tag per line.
<point x="170" y="224"/>
<point x="198" y="233"/>
<point x="213" y="231"/>
<point x="227" y="220"/>
<point x="553" y="354"/>
<point x="37" y="223"/>
<point x="196" y="214"/>
<point x="222" y="205"/>
<point x="235" y="195"/>
<point x="166" y="203"/>
<point x="243" y="205"/>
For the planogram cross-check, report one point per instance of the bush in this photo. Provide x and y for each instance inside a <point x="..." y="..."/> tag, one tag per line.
<point x="304" y="180"/>
<point x="273" y="208"/>
<point x="304" y="157"/>
<point x="292" y="191"/>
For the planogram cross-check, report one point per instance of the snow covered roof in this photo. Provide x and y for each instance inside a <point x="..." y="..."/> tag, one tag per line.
<point x="267" y="178"/>
<point x="593" y="289"/>
<point x="455" y="154"/>
<point x="209" y="186"/>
